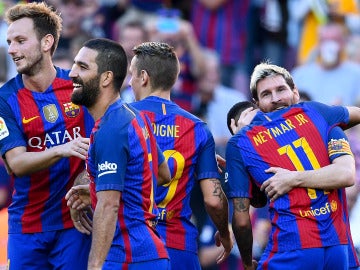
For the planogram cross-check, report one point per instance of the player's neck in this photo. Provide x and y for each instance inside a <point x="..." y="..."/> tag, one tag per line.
<point x="102" y="104"/>
<point x="40" y="81"/>
<point x="161" y="94"/>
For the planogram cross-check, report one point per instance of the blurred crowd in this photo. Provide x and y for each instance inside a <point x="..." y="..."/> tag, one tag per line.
<point x="218" y="43"/>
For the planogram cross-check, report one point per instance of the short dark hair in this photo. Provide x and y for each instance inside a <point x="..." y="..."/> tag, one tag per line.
<point x="236" y="110"/>
<point x="111" y="57"/>
<point x="159" y="60"/>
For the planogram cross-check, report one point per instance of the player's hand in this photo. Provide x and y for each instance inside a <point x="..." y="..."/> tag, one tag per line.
<point x="227" y="243"/>
<point x="251" y="267"/>
<point x="221" y="163"/>
<point x="78" y="148"/>
<point x="78" y="197"/>
<point x="279" y="184"/>
<point x="245" y="118"/>
<point x="82" y="220"/>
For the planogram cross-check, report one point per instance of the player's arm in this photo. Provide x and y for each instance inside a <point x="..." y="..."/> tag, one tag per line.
<point x="216" y="205"/>
<point x="164" y="175"/>
<point x="79" y="201"/>
<point x="242" y="229"/>
<point x="23" y="163"/>
<point x="354" y="115"/>
<point x="104" y="224"/>
<point x="339" y="174"/>
<point x="78" y="197"/>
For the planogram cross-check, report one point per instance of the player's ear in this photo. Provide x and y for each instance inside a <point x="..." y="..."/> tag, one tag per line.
<point x="106" y="78"/>
<point x="47" y="42"/>
<point x="296" y="97"/>
<point x="144" y="77"/>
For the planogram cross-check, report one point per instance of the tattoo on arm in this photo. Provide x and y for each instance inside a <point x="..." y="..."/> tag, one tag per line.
<point x="242" y="230"/>
<point x="241" y="204"/>
<point x="82" y="178"/>
<point x="218" y="192"/>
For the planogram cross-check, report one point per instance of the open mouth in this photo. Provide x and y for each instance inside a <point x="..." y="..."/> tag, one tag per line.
<point x="76" y="86"/>
<point x="17" y="59"/>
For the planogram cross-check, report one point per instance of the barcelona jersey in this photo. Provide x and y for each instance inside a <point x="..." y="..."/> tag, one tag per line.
<point x="289" y="138"/>
<point x="39" y="121"/>
<point x="123" y="156"/>
<point x="189" y="149"/>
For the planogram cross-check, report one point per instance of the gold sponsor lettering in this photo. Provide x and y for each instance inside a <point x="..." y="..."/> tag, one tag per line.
<point x="301" y="119"/>
<point x="166" y="130"/>
<point x="276" y="131"/>
<point x="328" y="208"/>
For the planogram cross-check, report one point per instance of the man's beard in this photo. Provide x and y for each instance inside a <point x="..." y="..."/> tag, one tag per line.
<point x="89" y="93"/>
<point x="32" y="68"/>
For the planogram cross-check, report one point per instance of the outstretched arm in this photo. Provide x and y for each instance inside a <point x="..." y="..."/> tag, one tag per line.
<point x="22" y="163"/>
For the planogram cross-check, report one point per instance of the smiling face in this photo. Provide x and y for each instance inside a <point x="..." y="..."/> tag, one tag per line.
<point x="85" y="77"/>
<point x="274" y="93"/>
<point x="24" y="46"/>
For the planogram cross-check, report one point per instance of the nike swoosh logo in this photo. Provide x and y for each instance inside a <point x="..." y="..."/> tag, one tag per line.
<point x="26" y="121"/>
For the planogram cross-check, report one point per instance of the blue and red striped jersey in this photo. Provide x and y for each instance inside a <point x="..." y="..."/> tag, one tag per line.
<point x="353" y="257"/>
<point x="123" y="156"/>
<point x="189" y="149"/>
<point x="295" y="138"/>
<point x="338" y="145"/>
<point x="185" y="86"/>
<point x="222" y="29"/>
<point x="39" y="121"/>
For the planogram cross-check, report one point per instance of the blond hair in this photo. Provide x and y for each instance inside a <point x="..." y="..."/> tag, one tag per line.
<point x="46" y="19"/>
<point x="264" y="70"/>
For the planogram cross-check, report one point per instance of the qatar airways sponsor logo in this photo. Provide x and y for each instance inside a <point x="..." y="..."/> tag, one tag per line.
<point x="327" y="209"/>
<point x="54" y="138"/>
<point x="106" y="168"/>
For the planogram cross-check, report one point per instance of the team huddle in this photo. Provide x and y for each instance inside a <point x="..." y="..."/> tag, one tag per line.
<point x="102" y="184"/>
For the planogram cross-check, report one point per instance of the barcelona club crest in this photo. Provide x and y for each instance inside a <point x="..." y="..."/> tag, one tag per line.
<point x="71" y="109"/>
<point x="51" y="113"/>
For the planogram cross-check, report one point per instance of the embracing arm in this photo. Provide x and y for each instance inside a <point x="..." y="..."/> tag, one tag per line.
<point x="217" y="207"/>
<point x="104" y="225"/>
<point x="164" y="176"/>
<point x="241" y="225"/>
<point x="354" y="114"/>
<point x="339" y="174"/>
<point x="22" y="163"/>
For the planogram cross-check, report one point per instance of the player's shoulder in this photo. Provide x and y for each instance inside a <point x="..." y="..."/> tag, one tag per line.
<point x="8" y="88"/>
<point x="62" y="73"/>
<point x="318" y="106"/>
